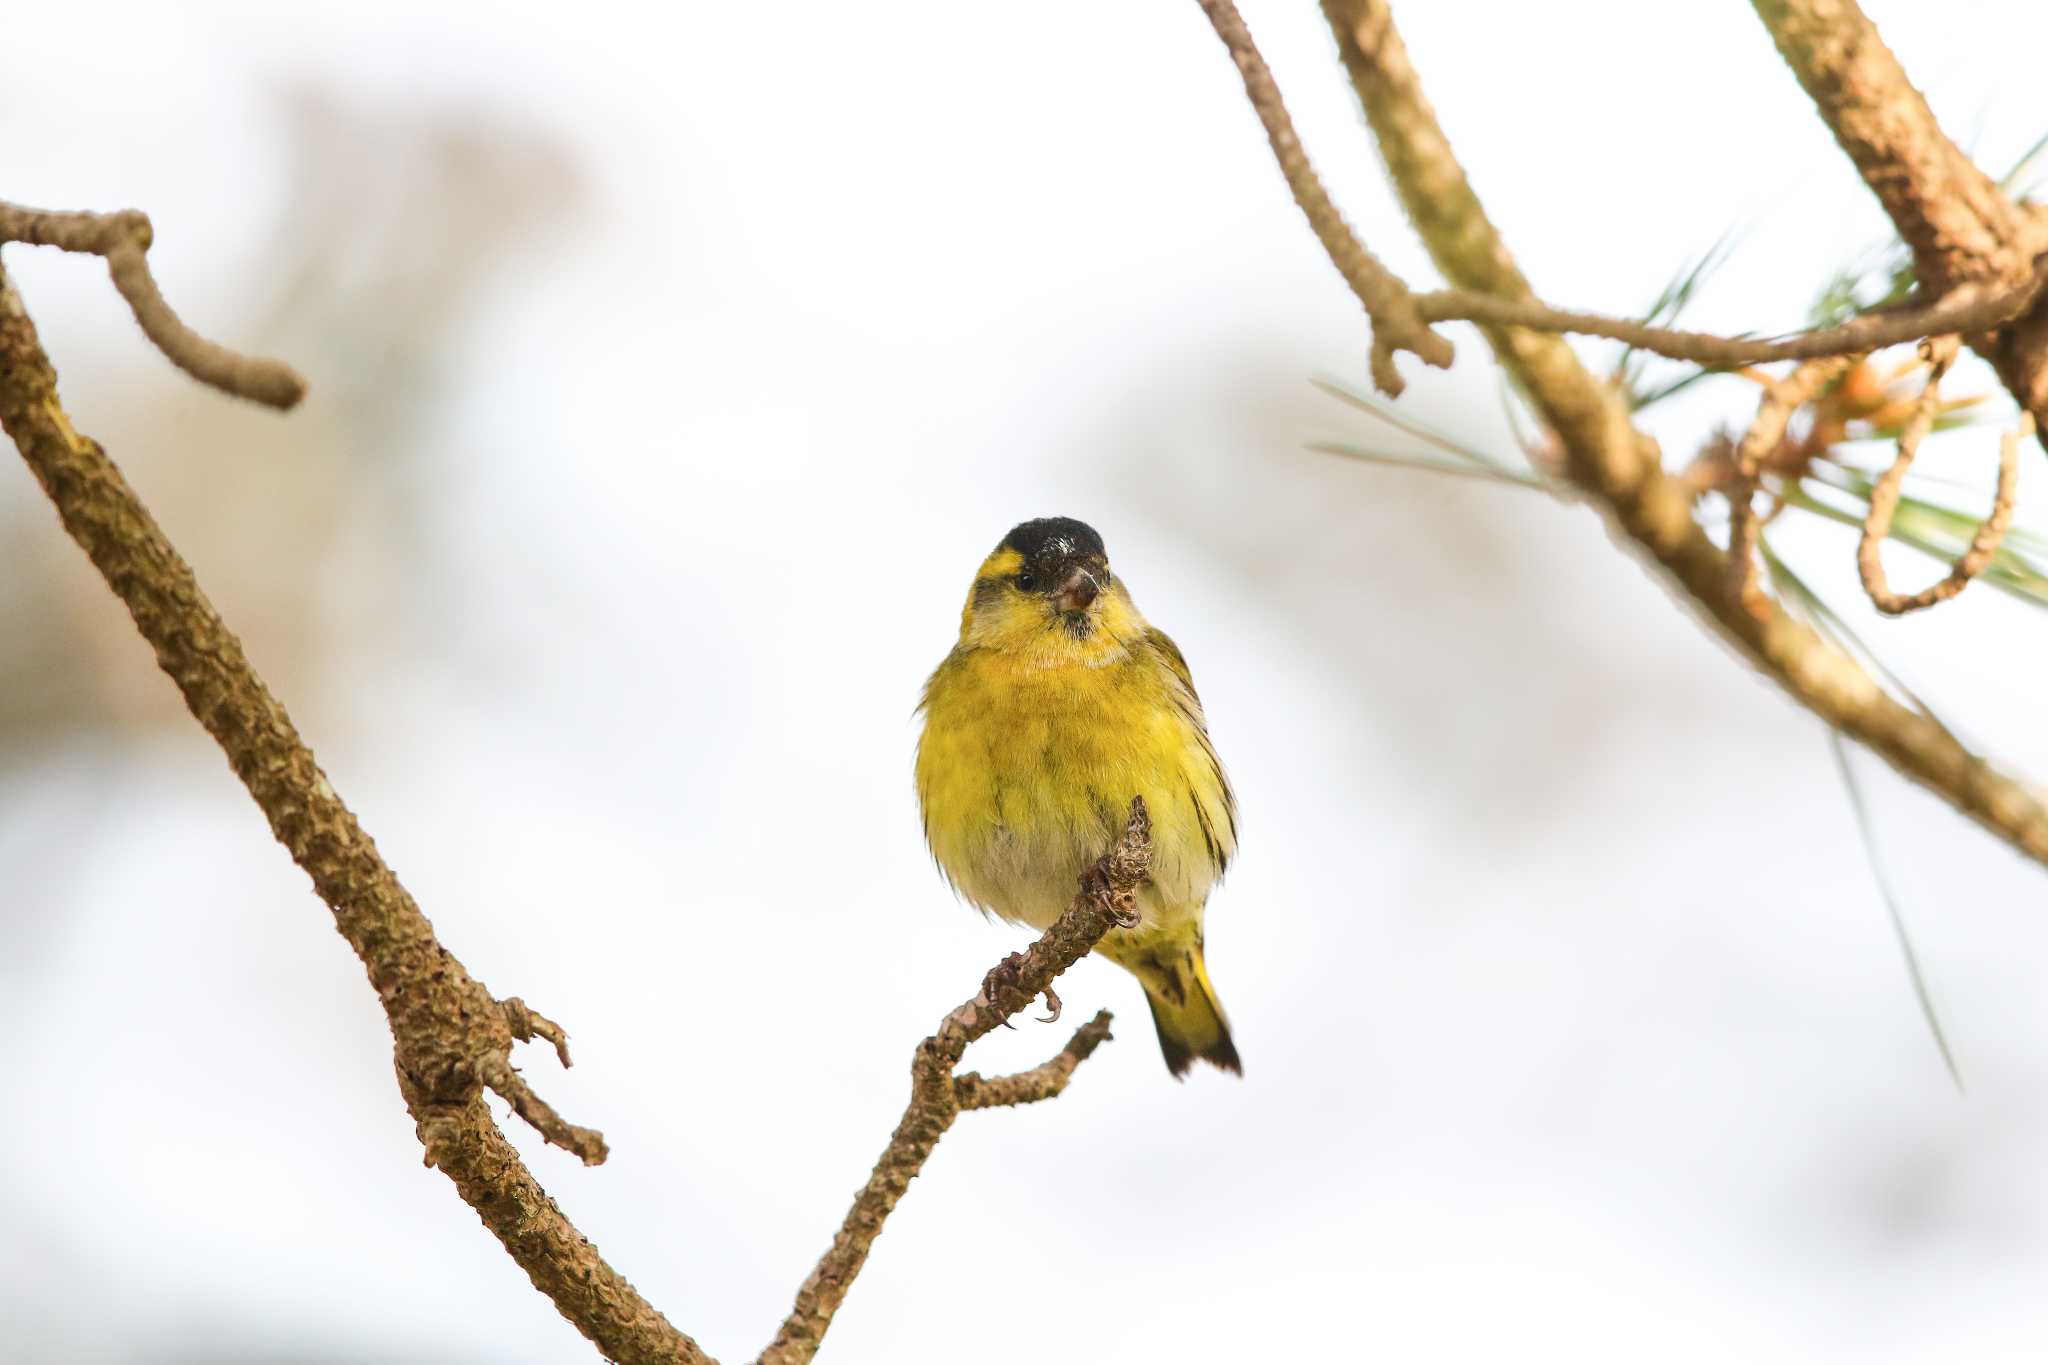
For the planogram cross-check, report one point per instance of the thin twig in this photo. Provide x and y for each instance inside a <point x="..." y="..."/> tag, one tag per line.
<point x="1968" y="308"/>
<point x="1396" y="326"/>
<point x="1884" y="501"/>
<point x="1042" y="1082"/>
<point x="1774" y="413"/>
<point x="1107" y="899"/>
<point x="122" y="240"/>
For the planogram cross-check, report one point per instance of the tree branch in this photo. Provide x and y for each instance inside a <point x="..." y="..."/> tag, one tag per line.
<point x="1396" y="326"/>
<point x="1107" y="899"/>
<point x="1401" y="320"/>
<point x="1957" y="222"/>
<point x="1042" y="1082"/>
<point x="123" y="239"/>
<point x="1967" y="308"/>
<point x="1621" y="470"/>
<point x="1884" y="501"/>
<point x="452" y="1041"/>
<point x="1774" y="413"/>
<point x="1959" y="225"/>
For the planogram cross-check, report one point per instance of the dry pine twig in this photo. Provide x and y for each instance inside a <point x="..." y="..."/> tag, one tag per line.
<point x="1884" y="500"/>
<point x="1774" y="413"/>
<point x="1397" y="325"/>
<point x="123" y="239"/>
<point x="1966" y="308"/>
<point x="452" y="1040"/>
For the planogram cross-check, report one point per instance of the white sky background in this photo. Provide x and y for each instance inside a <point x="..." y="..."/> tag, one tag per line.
<point x="1573" y="1024"/>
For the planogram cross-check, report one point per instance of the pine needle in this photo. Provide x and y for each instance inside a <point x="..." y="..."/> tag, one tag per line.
<point x="1891" y="903"/>
<point x="1488" y="473"/>
<point x="1402" y="422"/>
<point x="1664" y="311"/>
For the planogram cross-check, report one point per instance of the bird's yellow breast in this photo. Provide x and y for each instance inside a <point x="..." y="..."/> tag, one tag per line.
<point x="1026" y="770"/>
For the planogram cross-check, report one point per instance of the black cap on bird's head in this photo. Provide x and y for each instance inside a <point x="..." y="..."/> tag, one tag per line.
<point x="1053" y="536"/>
<point x="1063" y="559"/>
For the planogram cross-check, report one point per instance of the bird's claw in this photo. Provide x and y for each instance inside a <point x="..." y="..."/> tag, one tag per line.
<point x="1122" y="905"/>
<point x="1001" y="981"/>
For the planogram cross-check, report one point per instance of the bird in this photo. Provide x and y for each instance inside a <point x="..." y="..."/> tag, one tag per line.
<point x="1058" y="704"/>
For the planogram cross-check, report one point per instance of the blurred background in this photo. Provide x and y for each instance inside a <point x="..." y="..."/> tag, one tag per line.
<point x="1572" y="1016"/>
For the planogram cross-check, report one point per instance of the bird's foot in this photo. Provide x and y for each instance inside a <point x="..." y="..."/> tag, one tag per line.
<point x="1001" y="984"/>
<point x="1122" y="905"/>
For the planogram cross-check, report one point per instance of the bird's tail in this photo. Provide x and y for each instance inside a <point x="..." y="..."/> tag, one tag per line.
<point x="1184" y="1008"/>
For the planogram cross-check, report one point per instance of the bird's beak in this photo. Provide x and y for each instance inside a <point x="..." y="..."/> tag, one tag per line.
<point x="1077" y="591"/>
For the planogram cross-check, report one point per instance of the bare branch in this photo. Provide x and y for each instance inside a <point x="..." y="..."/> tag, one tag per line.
<point x="452" y="1041"/>
<point x="1960" y="226"/>
<point x="1396" y="326"/>
<point x="1967" y="308"/>
<point x="1042" y="1082"/>
<point x="1781" y="399"/>
<point x="1884" y="500"/>
<point x="123" y="240"/>
<point x="503" y="1078"/>
<point x="1401" y="320"/>
<point x="1107" y="899"/>
<point x="1957" y="222"/>
<point x="1621" y="470"/>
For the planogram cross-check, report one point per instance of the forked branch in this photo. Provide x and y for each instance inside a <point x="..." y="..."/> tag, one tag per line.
<point x="1402" y="319"/>
<point x="123" y="240"/>
<point x="1107" y="899"/>
<point x="1773" y="415"/>
<point x="1959" y="224"/>
<point x="452" y="1040"/>
<point x="1620" y="469"/>
<point x="1396" y="325"/>
<point x="1045" y="1081"/>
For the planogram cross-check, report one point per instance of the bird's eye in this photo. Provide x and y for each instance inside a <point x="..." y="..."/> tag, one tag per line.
<point x="1027" y="582"/>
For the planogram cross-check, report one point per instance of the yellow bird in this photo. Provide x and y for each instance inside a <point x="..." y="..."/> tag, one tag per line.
<point x="1057" y="706"/>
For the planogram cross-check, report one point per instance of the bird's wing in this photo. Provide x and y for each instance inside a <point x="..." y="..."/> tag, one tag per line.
<point x="1190" y="704"/>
